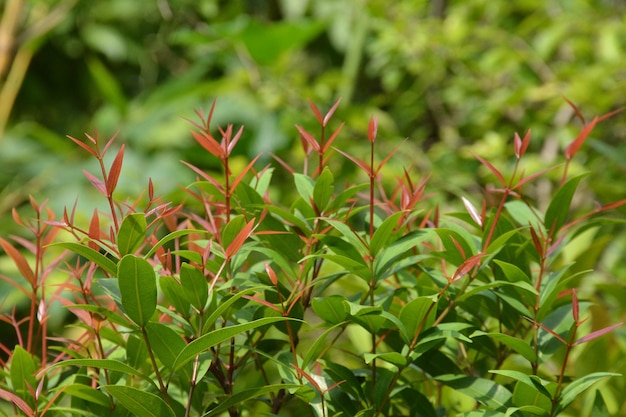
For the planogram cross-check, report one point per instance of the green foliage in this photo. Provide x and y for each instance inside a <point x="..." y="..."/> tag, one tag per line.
<point x="328" y="300"/>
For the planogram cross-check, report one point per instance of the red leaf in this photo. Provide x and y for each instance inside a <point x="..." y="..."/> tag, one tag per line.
<point x="233" y="142"/>
<point x="360" y="163"/>
<point x="492" y="168"/>
<point x="372" y="129"/>
<point x="331" y="112"/>
<point x="308" y="138"/>
<point x="94" y="230"/>
<point x="243" y="173"/>
<point x="239" y="240"/>
<point x="96" y="183"/>
<point x="114" y="172"/>
<point x="318" y="115"/>
<point x="17" y="401"/>
<point x="467" y="266"/>
<point x="271" y="274"/>
<point x="109" y="143"/>
<point x="263" y="302"/>
<point x="521" y="145"/>
<point x="205" y="176"/>
<point x="573" y="147"/>
<point x="578" y="113"/>
<point x="83" y="145"/>
<point x="19" y="261"/>
<point x="596" y="334"/>
<point x="536" y="241"/>
<point x="209" y="143"/>
<point x="610" y="114"/>
<point x="332" y="138"/>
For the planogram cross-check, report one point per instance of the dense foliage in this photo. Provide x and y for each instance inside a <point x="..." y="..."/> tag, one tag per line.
<point x="329" y="301"/>
<point x="457" y="78"/>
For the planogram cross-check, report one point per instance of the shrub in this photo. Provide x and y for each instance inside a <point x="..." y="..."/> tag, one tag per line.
<point x="324" y="299"/>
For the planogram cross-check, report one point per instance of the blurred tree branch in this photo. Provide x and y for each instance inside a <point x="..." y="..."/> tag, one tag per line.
<point x="22" y="31"/>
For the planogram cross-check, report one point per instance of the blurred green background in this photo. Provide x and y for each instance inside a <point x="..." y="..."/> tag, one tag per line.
<point x="452" y="76"/>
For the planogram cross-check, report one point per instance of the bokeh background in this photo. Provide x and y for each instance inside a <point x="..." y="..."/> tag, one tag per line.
<point x="452" y="76"/>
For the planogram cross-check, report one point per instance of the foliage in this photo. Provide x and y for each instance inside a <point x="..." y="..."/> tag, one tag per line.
<point x="329" y="299"/>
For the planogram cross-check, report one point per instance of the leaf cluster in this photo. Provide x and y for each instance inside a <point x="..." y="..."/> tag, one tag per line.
<point x="329" y="300"/>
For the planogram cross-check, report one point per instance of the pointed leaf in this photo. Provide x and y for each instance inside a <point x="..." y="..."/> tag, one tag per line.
<point x="575" y="145"/>
<point x="138" y="289"/>
<point x="96" y="182"/>
<point x="574" y="389"/>
<point x="323" y="189"/>
<point x="215" y="337"/>
<point x="132" y="233"/>
<point x="140" y="402"/>
<point x="417" y="315"/>
<point x="331" y="112"/>
<point x="558" y="210"/>
<point x="209" y="143"/>
<point x="332" y="137"/>
<point x="316" y="111"/>
<point x="239" y="397"/>
<point x="19" y="261"/>
<point x="114" y="172"/>
<point x="308" y="138"/>
<point x="492" y="169"/>
<point x="482" y="390"/>
<point x="19" y="403"/>
<point x="474" y="214"/>
<point x="597" y="333"/>
<point x="110" y="364"/>
<point x="22" y="372"/>
<point x="195" y="286"/>
<point x="239" y="239"/>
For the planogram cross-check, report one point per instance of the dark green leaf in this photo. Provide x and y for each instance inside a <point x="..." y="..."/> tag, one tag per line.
<point x="323" y="190"/>
<point x="140" y="402"/>
<point x="417" y="315"/>
<point x="482" y="390"/>
<point x="22" y="374"/>
<point x="558" y="210"/>
<point x="138" y="288"/>
<point x="195" y="286"/>
<point x="331" y="309"/>
<point x="248" y="394"/>
<point x="215" y="337"/>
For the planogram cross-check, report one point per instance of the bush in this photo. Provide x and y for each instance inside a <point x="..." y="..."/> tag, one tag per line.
<point x="324" y="299"/>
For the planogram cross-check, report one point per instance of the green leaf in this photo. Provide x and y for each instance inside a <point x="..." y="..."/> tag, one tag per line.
<point x="92" y="255"/>
<point x="318" y="346"/>
<point x="87" y="393"/>
<point x="132" y="233"/>
<point x="520" y="346"/>
<point x="175" y="295"/>
<point x="215" y="337"/>
<point x="414" y="316"/>
<point x="575" y="388"/>
<point x="482" y="390"/>
<point x="195" y="286"/>
<point x="532" y="381"/>
<point x="232" y="229"/>
<point x="599" y="406"/>
<point x="384" y="233"/>
<point x="110" y="364"/>
<point x="331" y="309"/>
<point x="165" y="342"/>
<point x="138" y="288"/>
<point x="225" y="305"/>
<point x="393" y="358"/>
<point x="22" y="374"/>
<point x="558" y="210"/>
<point x="171" y="236"/>
<point x="323" y="190"/>
<point x="304" y="186"/>
<point x="139" y="402"/>
<point x="245" y="395"/>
